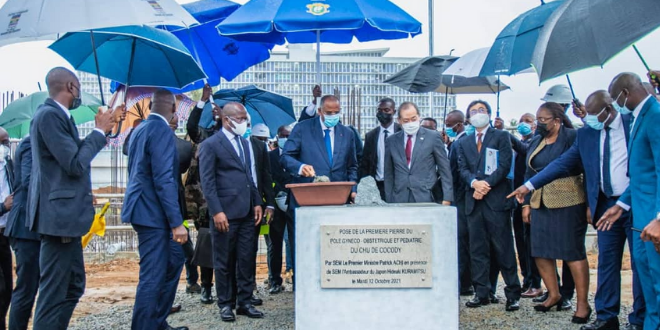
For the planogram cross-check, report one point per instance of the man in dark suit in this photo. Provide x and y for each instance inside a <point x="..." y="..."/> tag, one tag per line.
<point x="373" y="160"/>
<point x="322" y="147"/>
<point x="455" y="129"/>
<point x="6" y="195"/>
<point x="601" y="151"/>
<point x="235" y="205"/>
<point x="282" y="220"/>
<point x="151" y="206"/>
<point x="60" y="196"/>
<point x="484" y="161"/>
<point x="25" y="243"/>
<point x="415" y="159"/>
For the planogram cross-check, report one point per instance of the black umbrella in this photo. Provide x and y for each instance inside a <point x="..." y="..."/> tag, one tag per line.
<point x="422" y="76"/>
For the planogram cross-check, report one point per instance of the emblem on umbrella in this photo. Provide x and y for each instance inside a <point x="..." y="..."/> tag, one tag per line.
<point x="318" y="9"/>
<point x="13" y="22"/>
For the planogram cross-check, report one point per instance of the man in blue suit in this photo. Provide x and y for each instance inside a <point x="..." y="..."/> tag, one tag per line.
<point x="642" y="193"/>
<point x="60" y="196"/>
<point x="25" y="243"/>
<point x="234" y="203"/>
<point x="601" y="150"/>
<point x="151" y="206"/>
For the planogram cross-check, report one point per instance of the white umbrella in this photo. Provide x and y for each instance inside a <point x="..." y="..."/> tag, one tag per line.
<point x="468" y="65"/>
<point x="28" y="20"/>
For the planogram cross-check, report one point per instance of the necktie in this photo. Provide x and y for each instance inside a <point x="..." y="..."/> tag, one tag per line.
<point x="479" y="136"/>
<point x="632" y="122"/>
<point x="607" y="179"/>
<point x="409" y="149"/>
<point x="241" y="154"/>
<point x="386" y="133"/>
<point x="328" y="145"/>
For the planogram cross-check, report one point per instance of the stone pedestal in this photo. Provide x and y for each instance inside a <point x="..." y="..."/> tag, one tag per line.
<point x="362" y="267"/>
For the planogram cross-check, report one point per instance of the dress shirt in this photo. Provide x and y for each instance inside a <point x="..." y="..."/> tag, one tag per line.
<point x="618" y="157"/>
<point x="310" y="109"/>
<point x="476" y="141"/>
<point x="380" y="167"/>
<point x="231" y="136"/>
<point x="68" y="115"/>
<point x="4" y="190"/>
<point x="332" y="140"/>
<point x="201" y="104"/>
<point x="253" y="167"/>
<point x="412" y="150"/>
<point x="638" y="109"/>
<point x="161" y="117"/>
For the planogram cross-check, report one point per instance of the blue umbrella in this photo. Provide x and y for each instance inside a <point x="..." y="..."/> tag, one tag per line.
<point x="219" y="57"/>
<point x="132" y="55"/>
<point x="302" y="21"/>
<point x="512" y="51"/>
<point x="271" y="109"/>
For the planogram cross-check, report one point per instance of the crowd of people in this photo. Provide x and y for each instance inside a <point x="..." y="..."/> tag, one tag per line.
<point x="532" y="194"/>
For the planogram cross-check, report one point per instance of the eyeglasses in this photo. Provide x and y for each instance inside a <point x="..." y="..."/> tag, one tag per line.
<point x="478" y="111"/>
<point x="410" y="120"/>
<point x="238" y="120"/>
<point x="544" y="120"/>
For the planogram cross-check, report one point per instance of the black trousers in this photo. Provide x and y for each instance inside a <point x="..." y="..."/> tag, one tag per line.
<point x="528" y="269"/>
<point x="281" y="222"/>
<point x="234" y="250"/>
<point x="191" y="270"/>
<point x="491" y="230"/>
<point x="206" y="277"/>
<point x="27" y="282"/>
<point x="381" y="188"/>
<point x="62" y="282"/>
<point x="6" y="279"/>
<point x="464" y="274"/>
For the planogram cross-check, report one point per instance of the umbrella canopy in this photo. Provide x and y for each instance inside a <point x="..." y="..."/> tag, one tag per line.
<point x="132" y="55"/>
<point x="28" y="20"/>
<point x="512" y="50"/>
<point x="297" y="21"/>
<point x="468" y="65"/>
<point x="585" y="33"/>
<point x="422" y="76"/>
<point x="471" y="85"/>
<point x="219" y="56"/>
<point x="17" y="115"/>
<point x="271" y="109"/>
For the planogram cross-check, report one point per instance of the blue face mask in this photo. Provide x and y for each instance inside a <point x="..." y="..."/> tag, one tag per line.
<point x="247" y="133"/>
<point x="469" y="129"/>
<point x="450" y="131"/>
<point x="524" y="129"/>
<point x="330" y="120"/>
<point x="593" y="122"/>
<point x="621" y="109"/>
<point x="281" y="142"/>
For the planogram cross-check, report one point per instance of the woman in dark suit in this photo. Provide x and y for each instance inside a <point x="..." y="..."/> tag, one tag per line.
<point x="557" y="212"/>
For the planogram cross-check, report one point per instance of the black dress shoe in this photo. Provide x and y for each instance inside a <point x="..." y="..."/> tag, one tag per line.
<point x="565" y="305"/>
<point x="467" y="292"/>
<point x="275" y="289"/>
<point x="493" y="298"/>
<point x="193" y="288"/>
<point x="175" y="309"/>
<point x="477" y="302"/>
<point x="541" y="298"/>
<point x="611" y="324"/>
<point x="250" y="311"/>
<point x="512" y="305"/>
<point x="256" y="301"/>
<point x="206" y="297"/>
<point x="633" y="327"/>
<point x="177" y="328"/>
<point x="227" y="315"/>
<point x="582" y="320"/>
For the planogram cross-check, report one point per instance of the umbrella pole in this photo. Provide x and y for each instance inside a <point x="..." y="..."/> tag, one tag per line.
<point x="570" y="85"/>
<point x="318" y="57"/>
<point x="498" y="95"/>
<point x="96" y="61"/>
<point x="128" y="81"/>
<point x="444" y="115"/>
<point x="198" y="61"/>
<point x="648" y="69"/>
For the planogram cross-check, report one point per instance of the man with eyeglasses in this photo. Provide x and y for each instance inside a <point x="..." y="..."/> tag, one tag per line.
<point x="484" y="161"/>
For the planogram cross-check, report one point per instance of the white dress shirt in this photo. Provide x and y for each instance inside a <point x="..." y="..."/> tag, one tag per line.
<point x="618" y="157"/>
<point x="380" y="167"/>
<point x="5" y="191"/>
<point x="405" y="142"/>
<point x="68" y="115"/>
<point x="476" y="141"/>
<point x="231" y="137"/>
<point x="638" y="109"/>
<point x="310" y="109"/>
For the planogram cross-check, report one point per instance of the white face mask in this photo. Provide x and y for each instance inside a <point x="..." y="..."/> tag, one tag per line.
<point x="411" y="128"/>
<point x="480" y="120"/>
<point x="4" y="152"/>
<point x="239" y="129"/>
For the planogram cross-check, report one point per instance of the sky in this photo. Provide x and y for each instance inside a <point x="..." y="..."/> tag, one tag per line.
<point x="462" y="25"/>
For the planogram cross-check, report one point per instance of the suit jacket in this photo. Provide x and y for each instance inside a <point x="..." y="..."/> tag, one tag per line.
<point x="184" y="150"/>
<point x="359" y="149"/>
<point x="369" y="161"/>
<point x="584" y="155"/>
<point x="60" y="193"/>
<point x="458" y="184"/>
<point x="16" y="223"/>
<point x="644" y="165"/>
<point x="226" y="180"/>
<point x="520" y="160"/>
<point x="472" y="165"/>
<point x="10" y="177"/>
<point x="152" y="195"/>
<point x="306" y="145"/>
<point x="262" y="165"/>
<point x="280" y="176"/>
<point x="429" y="164"/>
